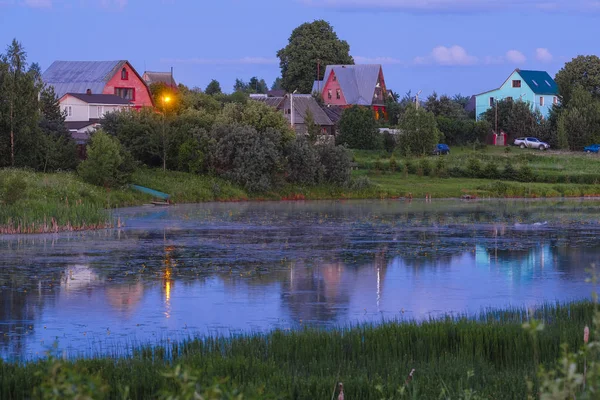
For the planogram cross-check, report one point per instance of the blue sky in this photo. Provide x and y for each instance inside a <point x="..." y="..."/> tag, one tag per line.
<point x="451" y="46"/>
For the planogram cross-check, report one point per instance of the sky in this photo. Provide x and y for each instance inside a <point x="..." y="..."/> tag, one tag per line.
<point x="447" y="46"/>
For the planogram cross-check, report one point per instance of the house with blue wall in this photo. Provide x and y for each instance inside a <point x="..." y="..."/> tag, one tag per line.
<point x="534" y="87"/>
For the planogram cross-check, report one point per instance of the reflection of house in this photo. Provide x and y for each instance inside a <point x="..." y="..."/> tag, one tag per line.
<point x="303" y="103"/>
<point x="534" y="87"/>
<point x="84" y="111"/>
<point x="348" y="85"/>
<point x="78" y="277"/>
<point x="98" y="77"/>
<point x="125" y="297"/>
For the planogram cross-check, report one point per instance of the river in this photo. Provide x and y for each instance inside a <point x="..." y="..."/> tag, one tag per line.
<point x="228" y="268"/>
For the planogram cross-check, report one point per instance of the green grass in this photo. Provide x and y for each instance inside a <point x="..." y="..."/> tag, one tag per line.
<point x="306" y="364"/>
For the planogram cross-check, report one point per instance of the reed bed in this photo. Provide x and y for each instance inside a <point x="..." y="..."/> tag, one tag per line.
<point x="490" y="353"/>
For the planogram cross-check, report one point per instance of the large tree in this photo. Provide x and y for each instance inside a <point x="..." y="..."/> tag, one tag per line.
<point x="358" y="129"/>
<point x="255" y="85"/>
<point x="582" y="71"/>
<point x="277" y="84"/>
<point x="214" y="87"/>
<point x="420" y="133"/>
<point x="310" y="44"/>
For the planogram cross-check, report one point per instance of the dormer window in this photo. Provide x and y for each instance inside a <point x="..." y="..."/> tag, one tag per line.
<point x="516" y="83"/>
<point x="124" y="74"/>
<point x="329" y="94"/>
<point x="534" y="82"/>
<point x="548" y="83"/>
<point x="334" y="78"/>
<point x="338" y="94"/>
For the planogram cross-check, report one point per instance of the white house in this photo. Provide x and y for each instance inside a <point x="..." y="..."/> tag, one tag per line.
<point x="84" y="111"/>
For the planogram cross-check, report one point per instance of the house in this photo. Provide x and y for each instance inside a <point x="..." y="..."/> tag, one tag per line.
<point x="160" y="77"/>
<point x="535" y="87"/>
<point x="83" y="112"/>
<point x="349" y="85"/>
<point x="302" y="104"/>
<point x="117" y="78"/>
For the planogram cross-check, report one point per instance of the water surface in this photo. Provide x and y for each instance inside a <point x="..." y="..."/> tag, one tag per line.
<point x="252" y="267"/>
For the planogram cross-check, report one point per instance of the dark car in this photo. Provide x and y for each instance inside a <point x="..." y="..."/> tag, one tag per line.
<point x="441" y="149"/>
<point x="592" y="149"/>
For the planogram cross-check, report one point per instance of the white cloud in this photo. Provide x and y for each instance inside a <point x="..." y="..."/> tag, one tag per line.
<point x="461" y="6"/>
<point x="377" y="60"/>
<point x="224" y="61"/>
<point x="455" y="55"/>
<point x="515" y="56"/>
<point x="543" y="55"/>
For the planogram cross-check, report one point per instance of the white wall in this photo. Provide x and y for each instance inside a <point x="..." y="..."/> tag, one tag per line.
<point x="82" y="111"/>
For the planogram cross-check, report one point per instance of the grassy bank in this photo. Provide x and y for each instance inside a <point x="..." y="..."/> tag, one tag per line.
<point x="491" y="354"/>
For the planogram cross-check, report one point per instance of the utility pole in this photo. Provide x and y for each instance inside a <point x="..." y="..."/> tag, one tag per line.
<point x="319" y="76"/>
<point x="292" y="119"/>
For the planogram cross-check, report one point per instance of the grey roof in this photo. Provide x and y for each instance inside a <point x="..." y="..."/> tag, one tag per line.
<point x="270" y="101"/>
<point x="276" y="93"/>
<point x="357" y="82"/>
<point x="79" y="76"/>
<point x="100" y="98"/>
<point x="303" y="103"/>
<point x="160" y="77"/>
<point x="334" y="113"/>
<point x="317" y="87"/>
<point x="77" y="125"/>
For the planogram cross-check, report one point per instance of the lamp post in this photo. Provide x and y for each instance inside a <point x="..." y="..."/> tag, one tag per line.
<point x="165" y="100"/>
<point x="292" y="119"/>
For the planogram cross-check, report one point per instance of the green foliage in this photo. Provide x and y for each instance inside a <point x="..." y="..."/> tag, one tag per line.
<point x="336" y="161"/>
<point x="460" y="132"/>
<point x="393" y="163"/>
<point x="277" y="84"/>
<point x="378" y="164"/>
<point x="107" y="163"/>
<point x="255" y="85"/>
<point x="490" y="171"/>
<point x="425" y="167"/>
<point x="12" y="189"/>
<point x="525" y="173"/>
<point x="389" y="141"/>
<point x="517" y="119"/>
<point x="214" y="87"/>
<point x="474" y="167"/>
<point x="303" y="163"/>
<point x="444" y="106"/>
<point x="256" y="115"/>
<point x="312" y="129"/>
<point x="309" y="44"/>
<point x="188" y="387"/>
<point x="63" y="381"/>
<point x="582" y="71"/>
<point x="191" y="158"/>
<point x="419" y="132"/>
<point x="358" y="129"/>
<point x="361" y="183"/>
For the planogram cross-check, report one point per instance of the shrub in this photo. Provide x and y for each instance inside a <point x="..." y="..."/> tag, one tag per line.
<point x="303" y="164"/>
<point x="361" y="183"/>
<point x="191" y="157"/>
<point x="419" y="132"/>
<point x="490" y="171"/>
<point x="336" y="162"/>
<point x="441" y="169"/>
<point x="378" y="164"/>
<point x="393" y="163"/>
<point x="107" y="164"/>
<point x="13" y="189"/>
<point x="509" y="172"/>
<point x="425" y="167"/>
<point x="410" y="167"/>
<point x="358" y="129"/>
<point x="525" y="174"/>
<point x="473" y="167"/>
<point x="389" y="141"/>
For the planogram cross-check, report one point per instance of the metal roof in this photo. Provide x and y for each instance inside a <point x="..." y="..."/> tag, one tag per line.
<point x="270" y="101"/>
<point x="334" y="113"/>
<point x="79" y="76"/>
<point x="159" y="77"/>
<point x="357" y="82"/>
<point x="539" y="81"/>
<point x="303" y="103"/>
<point x="100" y="98"/>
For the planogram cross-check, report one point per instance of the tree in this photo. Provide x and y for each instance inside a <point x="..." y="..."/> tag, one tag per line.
<point x="444" y="106"/>
<point x="312" y="129"/>
<point x="255" y="85"/>
<point x="277" y="84"/>
<point x="309" y="44"/>
<point x="214" y="87"/>
<point x="256" y="115"/>
<point x="358" y="129"/>
<point x="420" y="133"/>
<point x="105" y="162"/>
<point x="582" y="71"/>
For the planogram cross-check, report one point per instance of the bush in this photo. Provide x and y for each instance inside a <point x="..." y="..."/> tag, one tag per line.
<point x="107" y="164"/>
<point x="361" y="183"/>
<point x="13" y="189"/>
<point x="425" y="167"/>
<point x="525" y="174"/>
<point x="378" y="164"/>
<point x="419" y="132"/>
<point x="393" y="163"/>
<point x="303" y="164"/>
<point x="509" y="172"/>
<point x="441" y="169"/>
<point x="474" y="167"/>
<point x="336" y="162"/>
<point x="410" y="167"/>
<point x="389" y="141"/>
<point x="358" y="129"/>
<point x="191" y="157"/>
<point x="490" y="171"/>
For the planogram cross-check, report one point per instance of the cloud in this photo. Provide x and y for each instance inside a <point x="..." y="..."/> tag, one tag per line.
<point x="457" y="6"/>
<point x="377" y="60"/>
<point x="543" y="55"/>
<point x="515" y="57"/>
<point x="224" y="61"/>
<point x="441" y="55"/>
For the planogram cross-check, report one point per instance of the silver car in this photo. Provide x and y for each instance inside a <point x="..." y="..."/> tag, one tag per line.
<point x="531" y="143"/>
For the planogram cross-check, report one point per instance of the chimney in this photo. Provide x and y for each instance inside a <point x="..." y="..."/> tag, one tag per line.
<point x="89" y="91"/>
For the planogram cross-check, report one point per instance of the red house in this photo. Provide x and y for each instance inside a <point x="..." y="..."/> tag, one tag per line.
<point x="348" y="85"/>
<point x="99" y="77"/>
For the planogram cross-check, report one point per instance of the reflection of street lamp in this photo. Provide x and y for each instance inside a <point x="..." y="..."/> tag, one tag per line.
<point x="165" y="100"/>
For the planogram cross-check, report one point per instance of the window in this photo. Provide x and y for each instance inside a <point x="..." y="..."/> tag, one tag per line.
<point x="125" y="93"/>
<point x="100" y="111"/>
<point x="534" y="82"/>
<point x="555" y="100"/>
<point x="124" y="74"/>
<point x="69" y="111"/>
<point x="338" y="94"/>
<point x="334" y="78"/>
<point x="542" y="101"/>
<point x="516" y="83"/>
<point x="491" y="101"/>
<point x="329" y="94"/>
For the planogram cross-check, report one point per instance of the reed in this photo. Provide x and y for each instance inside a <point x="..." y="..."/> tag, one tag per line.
<point x="489" y="353"/>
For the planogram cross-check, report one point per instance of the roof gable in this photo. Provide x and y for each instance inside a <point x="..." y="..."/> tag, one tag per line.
<point x="78" y="76"/>
<point x="357" y="82"/>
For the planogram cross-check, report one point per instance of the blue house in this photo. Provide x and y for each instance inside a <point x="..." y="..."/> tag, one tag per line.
<point x="535" y="87"/>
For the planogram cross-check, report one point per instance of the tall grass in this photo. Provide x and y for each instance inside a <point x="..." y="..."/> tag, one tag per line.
<point x="371" y="361"/>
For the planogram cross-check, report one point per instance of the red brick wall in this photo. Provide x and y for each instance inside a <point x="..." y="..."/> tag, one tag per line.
<point x="142" y="96"/>
<point x="333" y="85"/>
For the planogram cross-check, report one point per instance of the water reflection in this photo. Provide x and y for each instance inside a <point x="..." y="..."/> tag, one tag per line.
<point x="222" y="268"/>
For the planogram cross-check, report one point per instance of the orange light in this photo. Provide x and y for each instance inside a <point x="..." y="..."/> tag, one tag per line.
<point x="166" y="99"/>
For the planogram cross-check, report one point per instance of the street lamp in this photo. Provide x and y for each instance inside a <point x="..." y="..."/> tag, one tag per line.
<point x="165" y="100"/>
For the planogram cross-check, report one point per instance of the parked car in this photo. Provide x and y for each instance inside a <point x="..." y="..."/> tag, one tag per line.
<point x="531" y="143"/>
<point x="595" y="148"/>
<point x="441" y="149"/>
